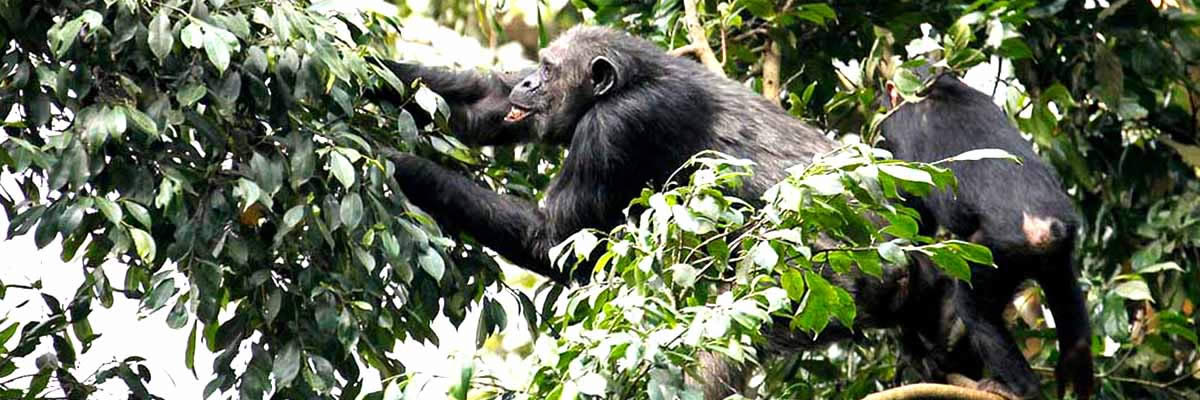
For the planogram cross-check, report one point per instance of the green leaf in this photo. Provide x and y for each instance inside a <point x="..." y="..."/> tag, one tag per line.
<point x="431" y="102"/>
<point x="115" y="121"/>
<point x="144" y="244"/>
<point x="1163" y="266"/>
<point x="900" y="225"/>
<point x="189" y="355"/>
<point x="983" y="154"/>
<point x="286" y="365"/>
<point x="341" y="168"/>
<point x="793" y="283"/>
<point x="907" y="174"/>
<point x="585" y="241"/>
<point x="293" y="216"/>
<point x="683" y="275"/>
<point x="70" y="219"/>
<point x="1136" y="290"/>
<point x="217" y="49"/>
<point x="138" y="212"/>
<point x="1109" y="76"/>
<point x="320" y="377"/>
<point x="161" y="292"/>
<point x="975" y="253"/>
<point x="8" y="332"/>
<point x="192" y="36"/>
<point x="46" y="231"/>
<point x="819" y="305"/>
<point x="764" y="256"/>
<point x="1014" y="49"/>
<point x="159" y="35"/>
<point x="281" y="25"/>
<point x="190" y="95"/>
<point x="141" y="121"/>
<point x="839" y="261"/>
<point x="178" y="317"/>
<point x="907" y="83"/>
<point x="868" y="262"/>
<point x="432" y="263"/>
<point x="892" y="253"/>
<point x="950" y="262"/>
<point x="65" y="37"/>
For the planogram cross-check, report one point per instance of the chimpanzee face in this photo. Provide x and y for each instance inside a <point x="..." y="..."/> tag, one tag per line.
<point x="572" y="76"/>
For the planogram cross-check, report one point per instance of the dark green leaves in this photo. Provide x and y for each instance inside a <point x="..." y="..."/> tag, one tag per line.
<point x="286" y="364"/>
<point x="351" y="210"/>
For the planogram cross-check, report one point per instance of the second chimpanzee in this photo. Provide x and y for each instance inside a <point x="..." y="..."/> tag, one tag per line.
<point x="1019" y="211"/>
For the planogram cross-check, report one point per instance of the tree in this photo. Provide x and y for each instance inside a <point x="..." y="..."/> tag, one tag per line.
<point x="227" y="155"/>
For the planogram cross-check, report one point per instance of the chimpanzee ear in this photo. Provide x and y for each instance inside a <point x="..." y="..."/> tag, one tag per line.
<point x="604" y="75"/>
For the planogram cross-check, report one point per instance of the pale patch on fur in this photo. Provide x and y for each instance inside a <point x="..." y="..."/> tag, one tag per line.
<point x="1038" y="230"/>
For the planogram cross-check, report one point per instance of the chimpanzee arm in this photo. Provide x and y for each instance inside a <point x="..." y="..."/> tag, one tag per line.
<point x="478" y="102"/>
<point x="1066" y="303"/>
<point x="510" y="226"/>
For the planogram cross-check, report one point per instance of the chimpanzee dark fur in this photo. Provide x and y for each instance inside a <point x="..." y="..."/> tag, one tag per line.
<point x="1020" y="212"/>
<point x="630" y="115"/>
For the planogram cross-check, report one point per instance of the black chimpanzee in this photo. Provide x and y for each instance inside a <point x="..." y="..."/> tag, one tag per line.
<point x="1019" y="211"/>
<point x="630" y="115"/>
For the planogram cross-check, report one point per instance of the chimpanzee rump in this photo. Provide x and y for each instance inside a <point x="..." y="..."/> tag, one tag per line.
<point x="630" y="115"/>
<point x="1019" y="211"/>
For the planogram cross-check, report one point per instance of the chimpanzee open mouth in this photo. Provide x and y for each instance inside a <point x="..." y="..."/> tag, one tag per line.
<point x="516" y="114"/>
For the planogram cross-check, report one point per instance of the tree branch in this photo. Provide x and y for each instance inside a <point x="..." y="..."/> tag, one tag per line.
<point x="932" y="391"/>
<point x="699" y="38"/>
<point x="770" y="71"/>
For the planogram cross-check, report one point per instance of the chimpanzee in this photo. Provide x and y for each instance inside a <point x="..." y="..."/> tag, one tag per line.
<point x="630" y="115"/>
<point x="1019" y="211"/>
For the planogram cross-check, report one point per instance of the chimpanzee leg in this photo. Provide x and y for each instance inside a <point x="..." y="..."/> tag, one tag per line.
<point x="991" y="342"/>
<point x="1059" y="282"/>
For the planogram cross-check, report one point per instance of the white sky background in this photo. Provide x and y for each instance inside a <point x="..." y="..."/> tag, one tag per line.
<point x="126" y="333"/>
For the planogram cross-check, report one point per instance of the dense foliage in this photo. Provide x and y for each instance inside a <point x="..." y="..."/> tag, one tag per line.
<point x="226" y="155"/>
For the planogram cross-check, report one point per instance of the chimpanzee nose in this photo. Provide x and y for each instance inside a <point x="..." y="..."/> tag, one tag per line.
<point x="529" y="83"/>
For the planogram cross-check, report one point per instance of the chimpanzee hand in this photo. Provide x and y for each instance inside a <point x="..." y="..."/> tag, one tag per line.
<point x="478" y="102"/>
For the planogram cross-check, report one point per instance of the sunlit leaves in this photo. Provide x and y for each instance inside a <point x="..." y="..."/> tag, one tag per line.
<point x="218" y="43"/>
<point x="159" y="35"/>
<point x="432" y="263"/>
<point x="342" y="169"/>
<point x="146" y="248"/>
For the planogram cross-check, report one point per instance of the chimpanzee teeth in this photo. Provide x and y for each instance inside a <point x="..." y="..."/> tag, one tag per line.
<point x="515" y="114"/>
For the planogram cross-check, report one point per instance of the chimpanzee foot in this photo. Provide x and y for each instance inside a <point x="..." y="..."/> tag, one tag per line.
<point x="984" y="385"/>
<point x="992" y="386"/>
